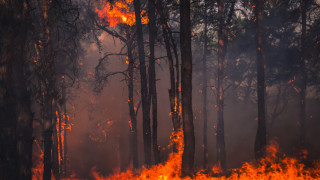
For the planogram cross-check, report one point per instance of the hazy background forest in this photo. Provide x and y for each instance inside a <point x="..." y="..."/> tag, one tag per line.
<point x="88" y="89"/>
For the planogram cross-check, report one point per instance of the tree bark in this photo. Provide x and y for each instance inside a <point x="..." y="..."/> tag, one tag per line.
<point x="303" y="81"/>
<point x="8" y="121"/>
<point x="48" y="73"/>
<point x="66" y="125"/>
<point x="133" y="118"/>
<point x="204" y="88"/>
<point x="59" y="135"/>
<point x="144" y="86"/>
<point x="152" y="79"/>
<point x="186" y="89"/>
<point x="173" y="91"/>
<point x="24" y="112"/>
<point x="55" y="147"/>
<point x="221" y="149"/>
<point x="261" y="137"/>
<point x="16" y="115"/>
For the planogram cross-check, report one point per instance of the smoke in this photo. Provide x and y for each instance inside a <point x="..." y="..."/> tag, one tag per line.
<point x="99" y="137"/>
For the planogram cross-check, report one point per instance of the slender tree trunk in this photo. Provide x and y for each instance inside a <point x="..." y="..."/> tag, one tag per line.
<point x="173" y="94"/>
<point x="261" y="137"/>
<point x="47" y="136"/>
<point x="48" y="72"/>
<point x="55" y="147"/>
<point x="186" y="89"/>
<point x="66" y="125"/>
<point x="204" y="87"/>
<point x="59" y="135"/>
<point x="152" y="79"/>
<point x="177" y="94"/>
<point x="221" y="149"/>
<point x="144" y="87"/>
<point x="133" y="119"/>
<point x="303" y="81"/>
<point x="60" y="158"/>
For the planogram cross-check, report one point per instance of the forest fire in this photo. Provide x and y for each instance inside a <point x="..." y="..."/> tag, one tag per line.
<point x="274" y="166"/>
<point x="159" y="89"/>
<point x="119" y="12"/>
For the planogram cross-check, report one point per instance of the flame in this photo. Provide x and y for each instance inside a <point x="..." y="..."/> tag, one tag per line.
<point x="271" y="167"/>
<point x="169" y="170"/>
<point x="37" y="169"/>
<point x="119" y="12"/>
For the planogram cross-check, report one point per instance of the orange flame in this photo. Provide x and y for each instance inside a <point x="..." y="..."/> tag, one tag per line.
<point x="119" y="12"/>
<point x="270" y="167"/>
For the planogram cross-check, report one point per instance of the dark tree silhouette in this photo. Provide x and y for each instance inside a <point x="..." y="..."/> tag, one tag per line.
<point x="186" y="89"/>
<point x="261" y="137"/>
<point x="152" y="79"/>
<point x="144" y="86"/>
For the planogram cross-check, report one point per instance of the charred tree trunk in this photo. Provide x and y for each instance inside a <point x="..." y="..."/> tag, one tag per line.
<point x="16" y="115"/>
<point x="8" y="151"/>
<point x="60" y="158"/>
<point x="204" y="88"/>
<point x="64" y="166"/>
<point x="24" y="113"/>
<point x="173" y="94"/>
<point x="55" y="147"/>
<point x="133" y="119"/>
<point x="48" y="72"/>
<point x="8" y="121"/>
<point x="303" y="80"/>
<point x="59" y="137"/>
<point x="152" y="79"/>
<point x="177" y="85"/>
<point x="221" y="149"/>
<point x="144" y="86"/>
<point x="261" y="137"/>
<point x="186" y="89"/>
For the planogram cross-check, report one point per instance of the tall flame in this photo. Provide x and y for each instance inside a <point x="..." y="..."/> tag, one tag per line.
<point x="119" y="12"/>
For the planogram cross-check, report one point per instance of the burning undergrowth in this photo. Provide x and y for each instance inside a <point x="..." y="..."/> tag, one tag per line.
<point x="273" y="166"/>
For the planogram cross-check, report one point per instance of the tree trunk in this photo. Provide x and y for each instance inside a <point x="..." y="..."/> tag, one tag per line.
<point x="303" y="81"/>
<point x="177" y="94"/>
<point x="221" y="149"/>
<point x="55" y="147"/>
<point x="66" y="124"/>
<point x="60" y="158"/>
<point x="144" y="87"/>
<point x="8" y="121"/>
<point x="152" y="79"/>
<point x="25" y="114"/>
<point x="204" y="88"/>
<point x="48" y="72"/>
<point x="261" y="137"/>
<point x="59" y="135"/>
<point x="16" y="115"/>
<point x="173" y="94"/>
<point x="186" y="89"/>
<point x="133" y="119"/>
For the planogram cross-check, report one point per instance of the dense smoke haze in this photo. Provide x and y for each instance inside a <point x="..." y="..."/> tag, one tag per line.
<point x="143" y="89"/>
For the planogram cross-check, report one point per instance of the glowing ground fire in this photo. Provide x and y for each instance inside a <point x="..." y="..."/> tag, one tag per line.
<point x="119" y="12"/>
<point x="271" y="167"/>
